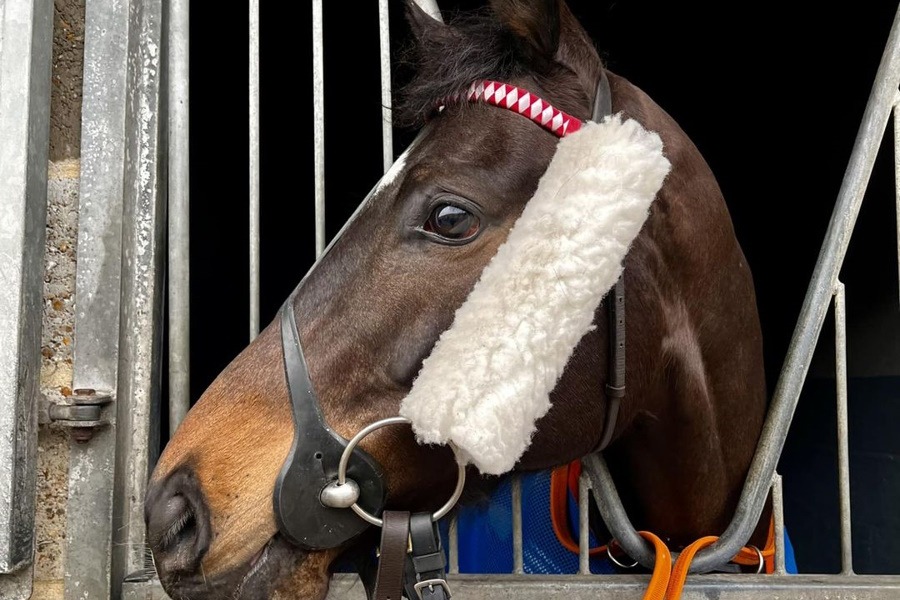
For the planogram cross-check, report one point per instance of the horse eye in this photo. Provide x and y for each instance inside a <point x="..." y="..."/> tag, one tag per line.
<point x="452" y="222"/>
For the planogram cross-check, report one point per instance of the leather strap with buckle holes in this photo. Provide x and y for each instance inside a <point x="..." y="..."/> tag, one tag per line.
<point x="425" y="574"/>
<point x="394" y="548"/>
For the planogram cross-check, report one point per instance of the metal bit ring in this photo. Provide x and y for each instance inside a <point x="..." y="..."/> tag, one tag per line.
<point x="348" y="451"/>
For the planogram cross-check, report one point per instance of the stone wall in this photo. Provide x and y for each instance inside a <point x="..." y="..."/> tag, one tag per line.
<point x="59" y="293"/>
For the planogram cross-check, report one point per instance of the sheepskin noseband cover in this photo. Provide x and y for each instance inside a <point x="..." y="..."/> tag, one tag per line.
<point x="489" y="377"/>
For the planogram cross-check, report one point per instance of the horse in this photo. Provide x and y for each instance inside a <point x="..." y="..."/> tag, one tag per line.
<point x="373" y="307"/>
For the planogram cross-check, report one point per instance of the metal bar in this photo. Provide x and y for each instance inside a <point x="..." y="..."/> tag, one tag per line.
<point x="453" y="535"/>
<point x="319" y="126"/>
<point x="613" y="512"/>
<point x="387" y="129"/>
<point x="620" y="587"/>
<point x="633" y="587"/>
<point x="840" y="361"/>
<point x="803" y="343"/>
<point x="18" y="585"/>
<point x="584" y="541"/>
<point x="516" y="493"/>
<point x="431" y="8"/>
<point x="141" y="315"/>
<point x="897" y="172"/>
<point x="178" y="75"/>
<point x="254" y="169"/>
<point x="26" y="39"/>
<point x="778" y="517"/>
<point x="97" y="284"/>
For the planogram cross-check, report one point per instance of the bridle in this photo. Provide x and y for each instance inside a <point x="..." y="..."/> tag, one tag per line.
<point x="324" y="474"/>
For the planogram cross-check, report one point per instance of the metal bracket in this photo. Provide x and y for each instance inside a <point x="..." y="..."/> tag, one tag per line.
<point x="81" y="413"/>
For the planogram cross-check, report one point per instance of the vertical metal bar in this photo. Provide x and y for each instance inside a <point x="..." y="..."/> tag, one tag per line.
<point x="89" y="507"/>
<point x="897" y="173"/>
<point x="431" y="8"/>
<point x="26" y="39"/>
<point x="803" y="342"/>
<point x="387" y="130"/>
<point x="179" y="307"/>
<point x="778" y="517"/>
<point x="840" y="360"/>
<point x="18" y="585"/>
<point x="453" y="535"/>
<point x="516" y="493"/>
<point x="584" y="541"/>
<point x="141" y="315"/>
<point x="319" y="126"/>
<point x="254" y="169"/>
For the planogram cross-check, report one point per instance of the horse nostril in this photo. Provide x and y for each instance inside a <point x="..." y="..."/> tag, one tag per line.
<point x="172" y="523"/>
<point x="178" y="529"/>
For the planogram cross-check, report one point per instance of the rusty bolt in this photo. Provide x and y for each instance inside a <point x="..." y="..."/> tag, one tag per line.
<point x="81" y="435"/>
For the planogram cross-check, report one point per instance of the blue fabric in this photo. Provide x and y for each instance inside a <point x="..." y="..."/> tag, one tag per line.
<point x="485" y="534"/>
<point x="790" y="561"/>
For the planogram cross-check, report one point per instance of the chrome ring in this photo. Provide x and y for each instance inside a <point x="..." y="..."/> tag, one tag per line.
<point x="348" y="451"/>
<point x="762" y="560"/>
<point x="615" y="561"/>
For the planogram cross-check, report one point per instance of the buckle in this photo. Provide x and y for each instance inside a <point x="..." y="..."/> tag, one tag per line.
<point x="430" y="583"/>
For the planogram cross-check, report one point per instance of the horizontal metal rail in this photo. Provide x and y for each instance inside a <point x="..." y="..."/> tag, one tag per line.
<point x="619" y="587"/>
<point x="803" y="343"/>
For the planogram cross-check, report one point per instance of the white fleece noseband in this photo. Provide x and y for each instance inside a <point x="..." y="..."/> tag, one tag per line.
<point x="489" y="377"/>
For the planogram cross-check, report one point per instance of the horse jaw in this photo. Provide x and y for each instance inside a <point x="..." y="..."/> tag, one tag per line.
<point x="309" y="580"/>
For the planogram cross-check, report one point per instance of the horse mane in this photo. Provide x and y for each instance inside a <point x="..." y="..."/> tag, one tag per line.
<point x="446" y="59"/>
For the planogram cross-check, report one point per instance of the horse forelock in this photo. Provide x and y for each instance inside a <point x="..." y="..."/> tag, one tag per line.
<point x="445" y="61"/>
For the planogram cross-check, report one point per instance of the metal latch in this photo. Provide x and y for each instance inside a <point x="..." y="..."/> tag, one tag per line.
<point x="81" y="413"/>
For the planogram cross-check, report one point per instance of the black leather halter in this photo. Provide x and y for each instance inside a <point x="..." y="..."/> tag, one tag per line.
<point x="615" y="306"/>
<point x="312" y="463"/>
<point x="313" y="460"/>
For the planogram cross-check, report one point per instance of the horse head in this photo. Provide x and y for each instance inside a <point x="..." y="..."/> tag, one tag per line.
<point x="373" y="307"/>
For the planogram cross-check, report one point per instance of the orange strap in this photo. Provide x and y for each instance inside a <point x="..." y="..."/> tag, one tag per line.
<point x="559" y="507"/>
<point x="748" y="556"/>
<point x="678" y="574"/>
<point x="662" y="568"/>
<point x="683" y="564"/>
<point x="667" y="581"/>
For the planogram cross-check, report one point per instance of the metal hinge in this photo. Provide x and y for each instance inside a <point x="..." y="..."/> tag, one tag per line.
<point x="81" y="413"/>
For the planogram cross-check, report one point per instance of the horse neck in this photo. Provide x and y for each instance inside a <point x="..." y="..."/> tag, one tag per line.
<point x="695" y="390"/>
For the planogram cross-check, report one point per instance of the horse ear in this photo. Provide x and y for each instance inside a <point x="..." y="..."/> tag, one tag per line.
<point x="421" y="23"/>
<point x="534" y="22"/>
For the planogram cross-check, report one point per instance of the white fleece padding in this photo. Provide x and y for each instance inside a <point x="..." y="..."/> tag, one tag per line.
<point x="489" y="377"/>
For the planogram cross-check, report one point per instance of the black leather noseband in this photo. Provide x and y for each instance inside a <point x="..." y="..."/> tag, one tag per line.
<point x="313" y="461"/>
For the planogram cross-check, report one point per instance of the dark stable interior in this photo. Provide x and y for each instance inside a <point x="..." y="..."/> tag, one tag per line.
<point x="772" y="97"/>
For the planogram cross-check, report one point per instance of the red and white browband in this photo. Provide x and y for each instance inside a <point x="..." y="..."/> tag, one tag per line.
<point x="523" y="102"/>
